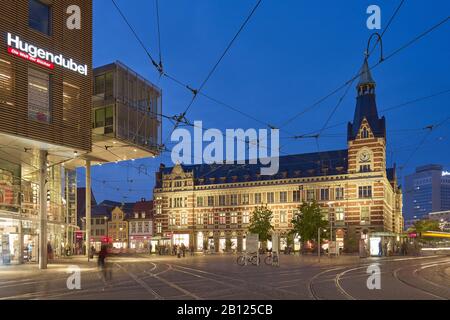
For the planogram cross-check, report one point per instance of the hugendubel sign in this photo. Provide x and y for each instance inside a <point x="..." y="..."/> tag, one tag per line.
<point x="42" y="57"/>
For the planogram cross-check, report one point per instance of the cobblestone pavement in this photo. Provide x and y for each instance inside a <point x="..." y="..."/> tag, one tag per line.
<point x="219" y="277"/>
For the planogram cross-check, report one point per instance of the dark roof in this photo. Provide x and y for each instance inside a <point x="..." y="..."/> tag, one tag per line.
<point x="290" y="166"/>
<point x="365" y="75"/>
<point x="366" y="107"/>
<point x="126" y="207"/>
<point x="143" y="206"/>
<point x="99" y="210"/>
<point x="390" y="172"/>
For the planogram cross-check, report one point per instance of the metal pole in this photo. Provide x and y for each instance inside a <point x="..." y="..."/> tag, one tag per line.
<point x="88" y="207"/>
<point x="42" y="210"/>
<point x="331" y="235"/>
<point x="318" y="243"/>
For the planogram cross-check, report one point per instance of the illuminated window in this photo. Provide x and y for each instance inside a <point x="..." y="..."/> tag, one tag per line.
<point x="222" y="218"/>
<point x="234" y="217"/>
<point x="339" y="214"/>
<point x="6" y="83"/>
<point x="199" y="201"/>
<point x="245" y="218"/>
<point x="283" y="217"/>
<point x="38" y="96"/>
<point x="365" y="215"/>
<point x="184" y="219"/>
<point x="211" y="218"/>
<point x="270" y="197"/>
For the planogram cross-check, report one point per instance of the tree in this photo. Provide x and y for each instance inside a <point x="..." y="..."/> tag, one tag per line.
<point x="426" y="225"/>
<point x="260" y="223"/>
<point x="307" y="221"/>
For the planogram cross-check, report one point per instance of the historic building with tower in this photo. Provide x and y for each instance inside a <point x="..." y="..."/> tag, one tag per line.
<point x="211" y="205"/>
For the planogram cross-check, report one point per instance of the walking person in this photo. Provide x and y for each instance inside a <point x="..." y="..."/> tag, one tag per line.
<point x="102" y="263"/>
<point x="183" y="250"/>
<point x="380" y="249"/>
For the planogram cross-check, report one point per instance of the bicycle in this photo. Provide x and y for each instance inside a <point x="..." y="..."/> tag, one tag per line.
<point x="269" y="259"/>
<point x="251" y="258"/>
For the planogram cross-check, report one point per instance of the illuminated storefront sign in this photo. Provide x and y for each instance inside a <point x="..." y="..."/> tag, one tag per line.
<point x="21" y="49"/>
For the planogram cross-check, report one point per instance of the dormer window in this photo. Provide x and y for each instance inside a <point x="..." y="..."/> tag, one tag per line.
<point x="365" y="133"/>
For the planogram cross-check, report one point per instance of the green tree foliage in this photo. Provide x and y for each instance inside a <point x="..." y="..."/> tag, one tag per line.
<point x="307" y="221"/>
<point x="260" y="223"/>
<point x="426" y="225"/>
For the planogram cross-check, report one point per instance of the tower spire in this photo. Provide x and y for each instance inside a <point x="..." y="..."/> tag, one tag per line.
<point x="366" y="84"/>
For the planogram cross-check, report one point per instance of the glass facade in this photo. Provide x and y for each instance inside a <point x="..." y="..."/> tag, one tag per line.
<point x="19" y="213"/>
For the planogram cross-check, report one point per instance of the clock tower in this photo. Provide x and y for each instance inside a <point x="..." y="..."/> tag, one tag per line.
<point x="366" y="135"/>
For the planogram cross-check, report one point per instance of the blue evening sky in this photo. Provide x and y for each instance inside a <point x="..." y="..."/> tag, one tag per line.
<point x="291" y="53"/>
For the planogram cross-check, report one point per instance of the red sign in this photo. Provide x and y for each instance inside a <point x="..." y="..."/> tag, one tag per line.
<point x="106" y="239"/>
<point x="26" y="56"/>
<point x="79" y="235"/>
<point x="412" y="235"/>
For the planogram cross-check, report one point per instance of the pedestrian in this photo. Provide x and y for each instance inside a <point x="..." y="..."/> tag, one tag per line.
<point x="92" y="252"/>
<point x="191" y="250"/>
<point x="183" y="250"/>
<point x="178" y="251"/>
<point x="380" y="249"/>
<point x="386" y="249"/>
<point x="150" y="248"/>
<point x="102" y="263"/>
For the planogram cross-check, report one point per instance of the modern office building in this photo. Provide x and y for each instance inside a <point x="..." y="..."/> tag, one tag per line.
<point x="45" y="121"/>
<point x="212" y="204"/>
<point x="126" y="117"/>
<point x="426" y="190"/>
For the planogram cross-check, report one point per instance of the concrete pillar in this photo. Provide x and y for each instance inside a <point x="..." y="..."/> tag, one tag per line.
<point x="42" y="209"/>
<point x="88" y="207"/>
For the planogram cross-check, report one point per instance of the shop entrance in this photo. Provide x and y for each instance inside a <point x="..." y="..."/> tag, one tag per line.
<point x="30" y="248"/>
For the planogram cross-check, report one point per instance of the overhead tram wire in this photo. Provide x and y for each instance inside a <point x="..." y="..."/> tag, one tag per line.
<point x="333" y="92"/>
<point x="162" y="72"/>
<point x="368" y="54"/>
<point x="155" y="64"/>
<point x="431" y="129"/>
<point x="420" y="99"/>
<point x="387" y="25"/>
<point x="159" y="36"/>
<point x="211" y="72"/>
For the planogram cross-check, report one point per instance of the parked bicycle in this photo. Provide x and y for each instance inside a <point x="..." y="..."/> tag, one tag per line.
<point x="251" y="258"/>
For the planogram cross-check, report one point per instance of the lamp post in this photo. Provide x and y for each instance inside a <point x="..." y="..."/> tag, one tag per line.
<point x="331" y="229"/>
<point x="318" y="241"/>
